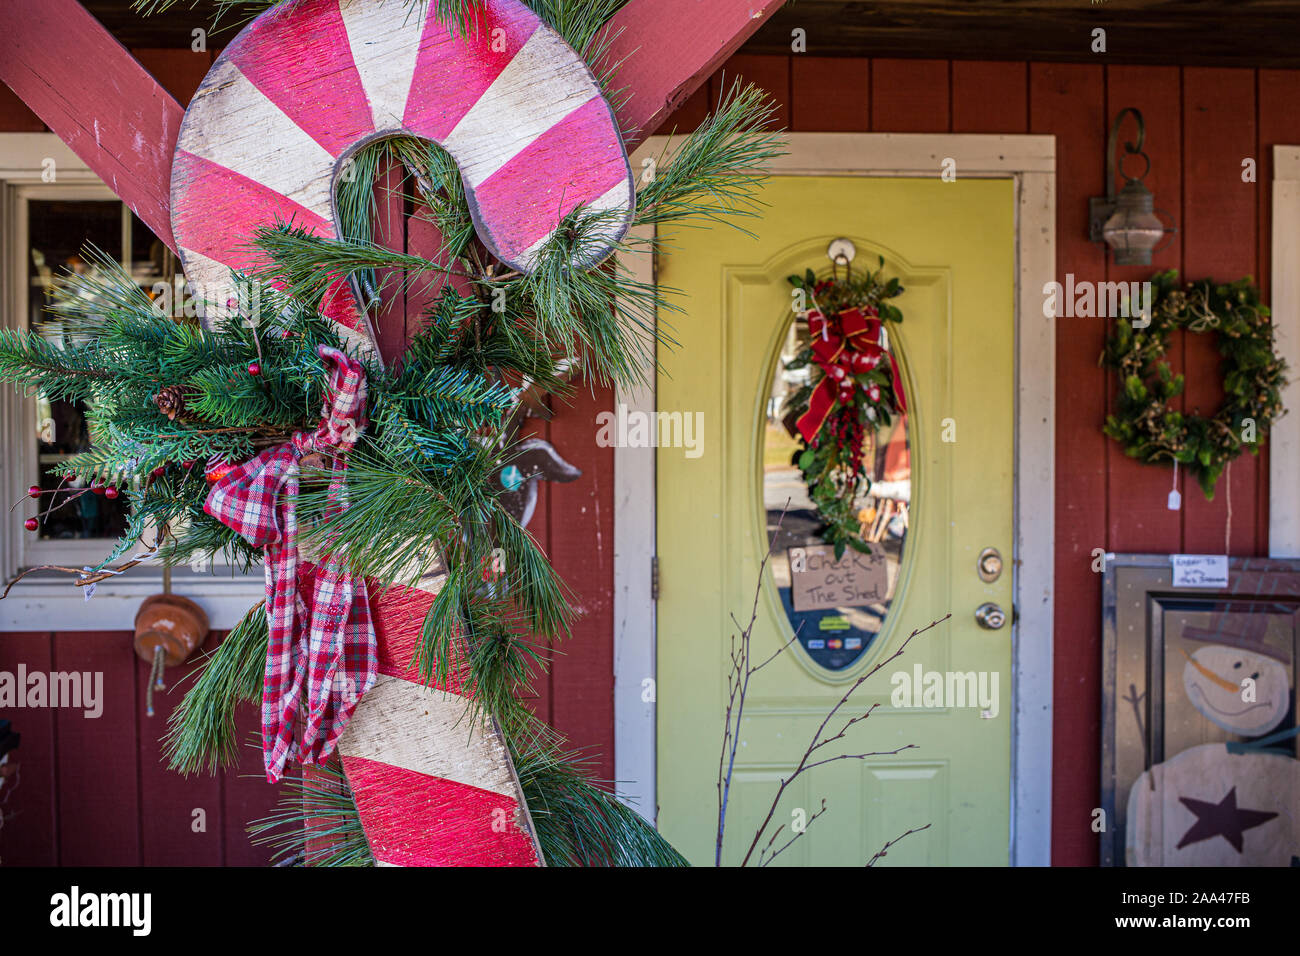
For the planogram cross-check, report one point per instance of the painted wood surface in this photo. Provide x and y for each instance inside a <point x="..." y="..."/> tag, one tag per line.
<point x="433" y="787"/>
<point x="95" y="791"/>
<point x="1209" y="807"/>
<point x="516" y="108"/>
<point x="664" y="50"/>
<point x="114" y="115"/>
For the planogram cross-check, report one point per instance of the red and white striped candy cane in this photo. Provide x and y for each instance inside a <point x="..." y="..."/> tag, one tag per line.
<point x="307" y="84"/>
<point x="266" y="137"/>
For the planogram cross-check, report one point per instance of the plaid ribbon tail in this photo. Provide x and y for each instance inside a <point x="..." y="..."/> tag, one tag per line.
<point x="325" y="654"/>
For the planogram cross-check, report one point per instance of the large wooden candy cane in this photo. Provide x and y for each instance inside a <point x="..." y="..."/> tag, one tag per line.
<point x="270" y="130"/>
<point x="306" y="85"/>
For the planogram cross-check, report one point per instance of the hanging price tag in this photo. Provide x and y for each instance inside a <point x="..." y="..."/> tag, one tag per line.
<point x="1175" y="500"/>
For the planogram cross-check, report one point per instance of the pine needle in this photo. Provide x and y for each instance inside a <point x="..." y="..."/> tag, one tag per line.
<point x="201" y="730"/>
<point x="316" y="821"/>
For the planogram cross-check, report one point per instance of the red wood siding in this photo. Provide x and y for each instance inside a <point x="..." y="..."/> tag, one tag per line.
<point x="1201" y="123"/>
<point x="96" y="792"/>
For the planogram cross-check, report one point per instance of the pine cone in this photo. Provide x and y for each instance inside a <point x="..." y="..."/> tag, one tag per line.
<point x="171" y="401"/>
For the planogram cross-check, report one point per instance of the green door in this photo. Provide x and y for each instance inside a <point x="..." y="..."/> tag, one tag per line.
<point x="952" y="244"/>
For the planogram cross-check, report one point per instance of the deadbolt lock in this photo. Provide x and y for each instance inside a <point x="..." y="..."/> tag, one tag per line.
<point x="990" y="617"/>
<point x="989" y="565"/>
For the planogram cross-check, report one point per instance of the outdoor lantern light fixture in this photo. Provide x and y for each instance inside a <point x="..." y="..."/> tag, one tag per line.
<point x="1127" y="222"/>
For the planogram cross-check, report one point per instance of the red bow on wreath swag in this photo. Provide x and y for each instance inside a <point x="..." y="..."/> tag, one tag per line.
<point x="327" y="650"/>
<point x="844" y="345"/>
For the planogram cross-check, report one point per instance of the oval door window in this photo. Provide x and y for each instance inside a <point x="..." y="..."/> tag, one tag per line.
<point x="836" y="608"/>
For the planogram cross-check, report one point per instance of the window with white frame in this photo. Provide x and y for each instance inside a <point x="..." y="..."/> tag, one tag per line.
<point x="54" y="227"/>
<point x="51" y="207"/>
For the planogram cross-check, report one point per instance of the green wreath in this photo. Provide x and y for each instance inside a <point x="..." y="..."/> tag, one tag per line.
<point x="1253" y="377"/>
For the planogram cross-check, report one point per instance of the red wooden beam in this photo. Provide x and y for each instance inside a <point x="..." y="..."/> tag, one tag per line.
<point x="88" y="89"/>
<point x="666" y="49"/>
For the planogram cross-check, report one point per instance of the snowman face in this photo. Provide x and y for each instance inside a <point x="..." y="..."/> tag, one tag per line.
<point x="1213" y="679"/>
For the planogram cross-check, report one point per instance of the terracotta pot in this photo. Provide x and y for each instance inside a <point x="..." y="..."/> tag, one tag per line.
<point x="172" y="622"/>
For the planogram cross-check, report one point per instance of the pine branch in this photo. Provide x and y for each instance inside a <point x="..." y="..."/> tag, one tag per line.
<point x="201" y="730"/>
<point x="316" y="821"/>
<point x="719" y="170"/>
<point x="34" y="364"/>
<point x="578" y="822"/>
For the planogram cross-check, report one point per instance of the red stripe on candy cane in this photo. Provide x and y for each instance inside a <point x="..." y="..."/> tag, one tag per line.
<point x="216" y="211"/>
<point x="453" y="71"/>
<point x="544" y="173"/>
<point x="300" y="58"/>
<point x="460" y="825"/>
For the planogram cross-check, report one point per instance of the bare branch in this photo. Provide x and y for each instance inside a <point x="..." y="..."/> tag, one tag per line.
<point x="817" y="739"/>
<point x="881" y="853"/>
<point x="807" y="826"/>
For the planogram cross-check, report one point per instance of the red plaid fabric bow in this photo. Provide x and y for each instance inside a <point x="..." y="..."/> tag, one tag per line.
<point x="849" y="341"/>
<point x="325" y="653"/>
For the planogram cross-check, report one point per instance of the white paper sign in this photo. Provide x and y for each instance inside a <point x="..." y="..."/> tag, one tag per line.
<point x="1200" y="570"/>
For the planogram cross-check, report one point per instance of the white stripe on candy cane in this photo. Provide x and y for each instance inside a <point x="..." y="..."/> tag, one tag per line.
<point x="385" y="56"/>
<point x="480" y="142"/>
<point x="232" y="125"/>
<point x="407" y="725"/>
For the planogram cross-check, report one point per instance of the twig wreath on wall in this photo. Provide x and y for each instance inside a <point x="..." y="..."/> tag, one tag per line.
<point x="1147" y="425"/>
<point x="857" y="388"/>
<point x="274" y="427"/>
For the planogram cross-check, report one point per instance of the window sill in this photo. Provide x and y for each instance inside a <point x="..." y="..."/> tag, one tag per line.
<point x="51" y="602"/>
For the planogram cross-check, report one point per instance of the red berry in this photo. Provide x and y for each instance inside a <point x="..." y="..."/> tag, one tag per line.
<point x="110" y="492"/>
<point x="97" y="489"/>
<point x="159" y="471"/>
<point x="188" y="464"/>
<point x="31" y="524"/>
<point x="837" y="373"/>
<point x="34" y="491"/>
<point x="286" y="334"/>
<point x="254" y="368"/>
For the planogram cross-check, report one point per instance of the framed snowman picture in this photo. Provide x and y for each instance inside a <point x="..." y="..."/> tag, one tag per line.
<point x="1198" y="753"/>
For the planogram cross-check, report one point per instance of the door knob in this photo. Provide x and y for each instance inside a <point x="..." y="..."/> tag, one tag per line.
<point x="990" y="617"/>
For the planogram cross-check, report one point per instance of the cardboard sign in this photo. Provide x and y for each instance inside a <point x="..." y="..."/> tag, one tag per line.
<point x="818" y="582"/>
<point x="1200" y="570"/>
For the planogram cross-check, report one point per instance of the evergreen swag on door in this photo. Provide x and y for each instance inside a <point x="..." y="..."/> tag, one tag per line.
<point x="855" y="387"/>
<point x="173" y="405"/>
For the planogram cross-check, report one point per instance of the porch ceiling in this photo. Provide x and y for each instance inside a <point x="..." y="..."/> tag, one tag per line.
<point x="1203" y="32"/>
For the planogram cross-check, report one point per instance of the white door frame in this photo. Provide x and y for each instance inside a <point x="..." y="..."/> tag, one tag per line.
<point x="1284" y="298"/>
<point x="1031" y="162"/>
